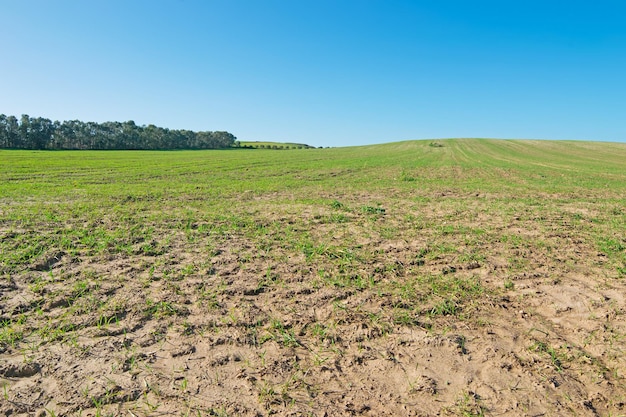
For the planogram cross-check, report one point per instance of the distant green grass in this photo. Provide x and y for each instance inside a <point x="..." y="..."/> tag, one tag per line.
<point x="133" y="187"/>
<point x="482" y="165"/>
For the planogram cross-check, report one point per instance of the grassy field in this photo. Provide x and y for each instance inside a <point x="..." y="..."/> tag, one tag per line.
<point x="458" y="277"/>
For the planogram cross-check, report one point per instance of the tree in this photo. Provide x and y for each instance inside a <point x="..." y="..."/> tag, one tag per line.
<point x="41" y="133"/>
<point x="4" y="132"/>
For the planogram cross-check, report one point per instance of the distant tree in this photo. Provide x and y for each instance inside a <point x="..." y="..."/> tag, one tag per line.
<point x="9" y="131"/>
<point x="41" y="133"/>
<point x="24" y="132"/>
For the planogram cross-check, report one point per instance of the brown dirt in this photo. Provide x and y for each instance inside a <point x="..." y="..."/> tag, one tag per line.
<point x="254" y="330"/>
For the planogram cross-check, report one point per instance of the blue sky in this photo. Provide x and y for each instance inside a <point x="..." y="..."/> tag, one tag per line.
<point x="326" y="73"/>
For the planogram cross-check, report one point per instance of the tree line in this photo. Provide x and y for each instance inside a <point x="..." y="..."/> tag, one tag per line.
<point x="40" y="133"/>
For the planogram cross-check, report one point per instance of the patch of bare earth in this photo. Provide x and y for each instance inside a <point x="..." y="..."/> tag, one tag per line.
<point x="366" y="316"/>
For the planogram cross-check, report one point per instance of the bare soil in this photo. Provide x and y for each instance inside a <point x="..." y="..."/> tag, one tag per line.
<point x="249" y="325"/>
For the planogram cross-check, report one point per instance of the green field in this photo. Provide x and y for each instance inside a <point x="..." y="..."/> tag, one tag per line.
<point x="303" y="282"/>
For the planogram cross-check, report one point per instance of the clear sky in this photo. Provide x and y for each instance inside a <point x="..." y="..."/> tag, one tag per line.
<point x="323" y="72"/>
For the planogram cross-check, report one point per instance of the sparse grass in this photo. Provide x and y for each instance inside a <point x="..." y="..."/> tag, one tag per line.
<point x="470" y="405"/>
<point x="556" y="357"/>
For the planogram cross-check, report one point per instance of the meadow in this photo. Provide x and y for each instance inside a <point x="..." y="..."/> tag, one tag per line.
<point x="467" y="277"/>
